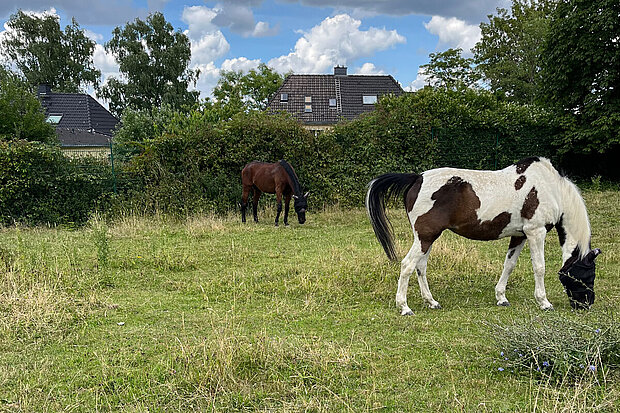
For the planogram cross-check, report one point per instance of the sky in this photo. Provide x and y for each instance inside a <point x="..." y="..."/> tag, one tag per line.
<point x="390" y="37"/>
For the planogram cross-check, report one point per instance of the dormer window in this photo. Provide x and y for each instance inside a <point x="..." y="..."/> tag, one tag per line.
<point x="283" y="97"/>
<point x="54" y="118"/>
<point x="369" y="99"/>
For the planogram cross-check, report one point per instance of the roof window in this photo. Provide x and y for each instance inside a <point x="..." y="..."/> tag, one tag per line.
<point x="308" y="108"/>
<point x="369" y="99"/>
<point x="308" y="99"/>
<point x="284" y="97"/>
<point x="54" y="118"/>
<point x="332" y="103"/>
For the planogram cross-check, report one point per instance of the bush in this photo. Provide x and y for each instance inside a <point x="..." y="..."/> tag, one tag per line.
<point x="38" y="184"/>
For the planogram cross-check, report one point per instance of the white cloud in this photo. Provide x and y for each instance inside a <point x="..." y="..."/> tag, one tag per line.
<point x="337" y="40"/>
<point x="95" y="37"/>
<point x="418" y="83"/>
<point x="454" y="33"/>
<point x="207" y="42"/>
<point x="242" y="64"/>
<point x="369" y="69"/>
<point x="239" y="18"/>
<point x="209" y="75"/>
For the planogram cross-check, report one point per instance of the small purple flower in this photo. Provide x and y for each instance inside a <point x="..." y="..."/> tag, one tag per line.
<point x="598" y="330"/>
<point x="537" y="368"/>
<point x="501" y="354"/>
<point x="581" y="366"/>
<point x="592" y="368"/>
<point x="500" y="368"/>
<point x="545" y="364"/>
<point x="520" y="355"/>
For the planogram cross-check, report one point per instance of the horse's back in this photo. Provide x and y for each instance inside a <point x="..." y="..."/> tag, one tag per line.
<point x="262" y="175"/>
<point x="466" y="199"/>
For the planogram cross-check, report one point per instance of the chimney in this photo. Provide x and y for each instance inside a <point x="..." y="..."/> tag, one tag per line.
<point x="340" y="70"/>
<point x="44" y="89"/>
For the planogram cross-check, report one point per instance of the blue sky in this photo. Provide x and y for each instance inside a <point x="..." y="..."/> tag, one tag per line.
<point x="304" y="36"/>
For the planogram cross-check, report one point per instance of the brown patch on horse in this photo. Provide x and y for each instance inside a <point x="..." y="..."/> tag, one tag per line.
<point x="412" y="195"/>
<point x="530" y="204"/>
<point x="455" y="209"/>
<point x="525" y="163"/>
<point x="520" y="182"/>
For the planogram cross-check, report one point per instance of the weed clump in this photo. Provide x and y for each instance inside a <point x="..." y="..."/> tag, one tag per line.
<point x="558" y="348"/>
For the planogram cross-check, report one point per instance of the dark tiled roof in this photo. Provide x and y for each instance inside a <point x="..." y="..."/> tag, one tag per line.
<point x="81" y="113"/>
<point x="348" y="91"/>
<point x="81" y="138"/>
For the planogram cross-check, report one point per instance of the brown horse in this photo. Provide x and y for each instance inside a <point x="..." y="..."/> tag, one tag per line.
<point x="278" y="178"/>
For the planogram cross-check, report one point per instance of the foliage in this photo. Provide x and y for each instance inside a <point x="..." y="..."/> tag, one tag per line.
<point x="21" y="115"/>
<point x="581" y="74"/>
<point x="153" y="60"/>
<point x="46" y="54"/>
<point x="560" y="348"/>
<point x="509" y="52"/>
<point x="251" y="91"/>
<point x="451" y="70"/>
<point x="39" y="185"/>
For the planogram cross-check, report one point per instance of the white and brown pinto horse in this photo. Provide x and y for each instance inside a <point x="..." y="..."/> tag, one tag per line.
<point x="523" y="201"/>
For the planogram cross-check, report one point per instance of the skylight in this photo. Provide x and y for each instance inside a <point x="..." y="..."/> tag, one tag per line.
<point x="369" y="99"/>
<point x="54" y="119"/>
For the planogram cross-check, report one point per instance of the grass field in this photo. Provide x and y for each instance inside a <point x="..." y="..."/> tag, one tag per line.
<point x="153" y="314"/>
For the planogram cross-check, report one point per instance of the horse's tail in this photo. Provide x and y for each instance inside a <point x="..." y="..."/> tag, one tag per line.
<point x="381" y="189"/>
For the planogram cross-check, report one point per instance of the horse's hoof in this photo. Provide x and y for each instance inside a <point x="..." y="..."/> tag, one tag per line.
<point x="503" y="303"/>
<point x="407" y="312"/>
<point x="435" y="306"/>
<point x="550" y="308"/>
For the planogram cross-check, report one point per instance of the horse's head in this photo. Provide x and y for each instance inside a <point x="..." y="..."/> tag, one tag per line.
<point x="301" y="205"/>
<point x="577" y="276"/>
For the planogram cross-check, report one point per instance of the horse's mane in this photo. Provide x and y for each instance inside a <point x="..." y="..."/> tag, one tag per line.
<point x="574" y="213"/>
<point x="291" y="173"/>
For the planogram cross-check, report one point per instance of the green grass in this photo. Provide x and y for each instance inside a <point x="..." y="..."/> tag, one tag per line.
<point x="153" y="314"/>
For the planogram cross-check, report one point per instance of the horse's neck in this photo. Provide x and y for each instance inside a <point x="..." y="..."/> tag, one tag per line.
<point x="293" y="181"/>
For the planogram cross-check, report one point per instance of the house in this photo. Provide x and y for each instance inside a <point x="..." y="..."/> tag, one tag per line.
<point x="321" y="101"/>
<point x="82" y="124"/>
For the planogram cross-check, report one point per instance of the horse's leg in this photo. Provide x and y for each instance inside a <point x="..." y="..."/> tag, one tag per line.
<point x="244" y="201"/>
<point x="278" y="204"/>
<point x="407" y="265"/>
<point x="536" y="239"/>
<point x="287" y="202"/>
<point x="514" y="249"/>
<point x="257" y="194"/>
<point x="424" y="290"/>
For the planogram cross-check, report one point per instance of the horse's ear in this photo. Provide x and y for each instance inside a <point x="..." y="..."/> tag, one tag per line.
<point x="592" y="255"/>
<point x="306" y="194"/>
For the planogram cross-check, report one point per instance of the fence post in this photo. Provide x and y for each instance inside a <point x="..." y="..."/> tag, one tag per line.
<point x="112" y="163"/>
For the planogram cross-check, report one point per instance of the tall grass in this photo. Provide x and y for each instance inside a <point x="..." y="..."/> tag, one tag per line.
<point x="205" y="313"/>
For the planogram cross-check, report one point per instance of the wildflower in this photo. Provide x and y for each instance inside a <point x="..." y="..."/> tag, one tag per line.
<point x="598" y="330"/>
<point x="500" y="368"/>
<point x="581" y="366"/>
<point x="592" y="368"/>
<point x="501" y="354"/>
<point x="545" y="364"/>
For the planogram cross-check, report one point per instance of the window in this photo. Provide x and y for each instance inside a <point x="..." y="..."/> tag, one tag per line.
<point x="308" y="108"/>
<point x="284" y="97"/>
<point x="308" y="99"/>
<point x="369" y="99"/>
<point x="332" y="103"/>
<point x="54" y="118"/>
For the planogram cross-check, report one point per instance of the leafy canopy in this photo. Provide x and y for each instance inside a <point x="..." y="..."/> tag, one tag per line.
<point x="581" y="77"/>
<point x="237" y="91"/>
<point x="21" y="115"/>
<point x="509" y="52"/>
<point x="451" y="70"/>
<point x="44" y="53"/>
<point x="153" y="60"/>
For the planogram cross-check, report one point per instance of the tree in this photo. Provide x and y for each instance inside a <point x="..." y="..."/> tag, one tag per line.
<point x="21" y="115"/>
<point x="44" y="53"/>
<point x="238" y="92"/>
<point x="153" y="60"/>
<point x="451" y="70"/>
<point x="581" y="76"/>
<point x="509" y="52"/>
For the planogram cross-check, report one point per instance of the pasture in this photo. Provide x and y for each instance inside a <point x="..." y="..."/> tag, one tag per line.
<point x="207" y="313"/>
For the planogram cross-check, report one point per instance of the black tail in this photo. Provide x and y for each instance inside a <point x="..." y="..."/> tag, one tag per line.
<point x="380" y="190"/>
